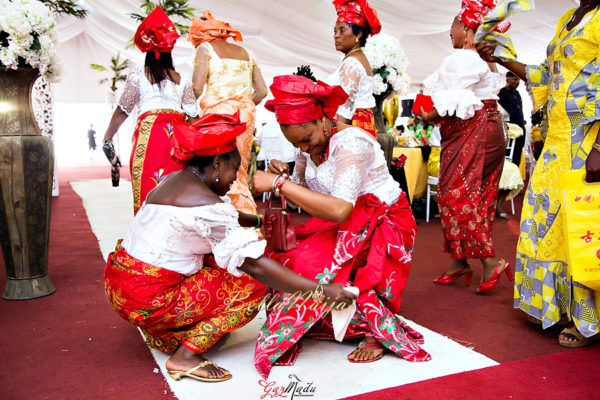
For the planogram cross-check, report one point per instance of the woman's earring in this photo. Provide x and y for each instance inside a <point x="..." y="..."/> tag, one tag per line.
<point x="325" y="131"/>
<point x="217" y="180"/>
<point x="356" y="40"/>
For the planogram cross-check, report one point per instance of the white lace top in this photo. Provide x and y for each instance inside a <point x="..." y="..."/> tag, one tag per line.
<point x="461" y="83"/>
<point x="356" y="166"/>
<point x="147" y="96"/>
<point x="177" y="238"/>
<point x="353" y="78"/>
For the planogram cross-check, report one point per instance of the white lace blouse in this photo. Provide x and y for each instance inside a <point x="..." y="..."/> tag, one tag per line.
<point x="461" y="83"/>
<point x="177" y="238"/>
<point x="356" y="166"/>
<point x="353" y="78"/>
<point x="147" y="96"/>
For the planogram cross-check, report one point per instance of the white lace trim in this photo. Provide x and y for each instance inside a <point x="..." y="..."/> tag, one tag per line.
<point x="356" y="166"/>
<point x="353" y="78"/>
<point x="177" y="238"/>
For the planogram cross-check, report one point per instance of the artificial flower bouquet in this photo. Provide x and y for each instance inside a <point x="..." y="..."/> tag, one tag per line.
<point x="27" y="37"/>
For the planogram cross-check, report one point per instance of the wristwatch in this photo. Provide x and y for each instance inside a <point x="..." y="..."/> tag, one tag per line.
<point x="596" y="146"/>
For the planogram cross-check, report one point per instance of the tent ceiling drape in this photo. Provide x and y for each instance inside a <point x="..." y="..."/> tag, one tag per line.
<point x="283" y="34"/>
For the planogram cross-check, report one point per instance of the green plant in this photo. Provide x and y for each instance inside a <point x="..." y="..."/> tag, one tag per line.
<point x="178" y="8"/>
<point x="69" y="7"/>
<point x="117" y="66"/>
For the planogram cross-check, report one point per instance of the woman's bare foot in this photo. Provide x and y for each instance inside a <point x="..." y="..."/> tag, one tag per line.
<point x="367" y="351"/>
<point x="183" y="359"/>
<point x="489" y="266"/>
<point x="457" y="265"/>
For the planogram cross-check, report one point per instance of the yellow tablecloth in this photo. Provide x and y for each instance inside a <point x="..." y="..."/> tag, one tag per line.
<point x="415" y="170"/>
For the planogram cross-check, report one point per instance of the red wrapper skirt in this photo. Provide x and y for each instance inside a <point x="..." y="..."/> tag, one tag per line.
<point x="172" y="309"/>
<point x="471" y="163"/>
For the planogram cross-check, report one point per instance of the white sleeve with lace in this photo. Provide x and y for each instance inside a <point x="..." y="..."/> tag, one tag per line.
<point x="131" y="94"/>
<point x="350" y="75"/>
<point x="298" y="176"/>
<point x="188" y="99"/>
<point x="231" y="244"/>
<point x="352" y="156"/>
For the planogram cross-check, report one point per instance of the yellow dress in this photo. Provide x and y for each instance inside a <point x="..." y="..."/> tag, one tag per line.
<point x="568" y="81"/>
<point x="228" y="90"/>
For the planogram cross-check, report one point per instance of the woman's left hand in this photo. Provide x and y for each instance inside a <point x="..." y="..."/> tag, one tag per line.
<point x="592" y="166"/>
<point x="262" y="182"/>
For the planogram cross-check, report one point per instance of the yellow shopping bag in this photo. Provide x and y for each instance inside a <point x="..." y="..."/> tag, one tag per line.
<point x="581" y="212"/>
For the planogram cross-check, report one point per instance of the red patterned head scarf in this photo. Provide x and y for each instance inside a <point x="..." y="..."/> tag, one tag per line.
<point x="210" y="29"/>
<point x="156" y="32"/>
<point x="473" y="12"/>
<point x="299" y="100"/>
<point x="209" y="135"/>
<point x="358" y="12"/>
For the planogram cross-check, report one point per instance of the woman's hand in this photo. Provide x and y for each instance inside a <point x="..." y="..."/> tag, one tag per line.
<point x="486" y="52"/>
<point x="335" y="294"/>
<point x="430" y="117"/>
<point x="278" y="167"/>
<point x="592" y="166"/>
<point x="262" y="182"/>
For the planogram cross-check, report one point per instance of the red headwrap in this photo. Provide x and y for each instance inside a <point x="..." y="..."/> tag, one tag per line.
<point x="211" y="29"/>
<point x="209" y="135"/>
<point x="299" y="100"/>
<point x="358" y="12"/>
<point x="473" y="12"/>
<point x="156" y="32"/>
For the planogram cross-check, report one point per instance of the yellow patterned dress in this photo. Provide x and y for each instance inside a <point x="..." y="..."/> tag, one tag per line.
<point x="228" y="90"/>
<point x="568" y="81"/>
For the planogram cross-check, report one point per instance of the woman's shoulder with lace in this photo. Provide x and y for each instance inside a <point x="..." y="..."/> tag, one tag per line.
<point x="353" y="140"/>
<point x="352" y="64"/>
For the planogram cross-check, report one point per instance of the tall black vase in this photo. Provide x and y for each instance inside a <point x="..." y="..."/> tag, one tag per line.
<point x="26" y="166"/>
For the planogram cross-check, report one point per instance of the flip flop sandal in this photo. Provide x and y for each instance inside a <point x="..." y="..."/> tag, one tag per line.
<point x="581" y="340"/>
<point x="178" y="375"/>
<point x="368" y="345"/>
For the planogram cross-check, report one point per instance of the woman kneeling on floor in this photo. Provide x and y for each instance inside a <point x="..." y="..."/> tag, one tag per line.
<point x="185" y="265"/>
<point x="362" y="233"/>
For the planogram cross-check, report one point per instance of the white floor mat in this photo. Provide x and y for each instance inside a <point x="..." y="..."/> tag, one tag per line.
<point x="321" y="371"/>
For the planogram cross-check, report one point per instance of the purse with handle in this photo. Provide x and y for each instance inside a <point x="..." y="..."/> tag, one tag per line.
<point x="278" y="227"/>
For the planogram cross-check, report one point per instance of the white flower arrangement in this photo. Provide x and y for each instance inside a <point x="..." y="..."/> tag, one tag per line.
<point x="27" y="37"/>
<point x="389" y="64"/>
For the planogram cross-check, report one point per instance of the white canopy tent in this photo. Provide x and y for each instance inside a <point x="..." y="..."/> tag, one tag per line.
<point x="283" y="34"/>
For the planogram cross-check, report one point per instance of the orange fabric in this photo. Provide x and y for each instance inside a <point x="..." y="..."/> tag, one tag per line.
<point x="240" y="195"/>
<point x="363" y="118"/>
<point x="211" y="29"/>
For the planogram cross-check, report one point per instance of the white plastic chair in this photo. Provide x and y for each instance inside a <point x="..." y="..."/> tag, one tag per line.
<point x="431" y="181"/>
<point x="511" y="149"/>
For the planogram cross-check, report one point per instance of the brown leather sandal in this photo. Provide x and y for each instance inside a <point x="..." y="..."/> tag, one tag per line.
<point x="581" y="340"/>
<point x="366" y="345"/>
<point x="178" y="375"/>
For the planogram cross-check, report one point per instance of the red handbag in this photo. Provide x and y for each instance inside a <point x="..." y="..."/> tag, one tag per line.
<point x="278" y="227"/>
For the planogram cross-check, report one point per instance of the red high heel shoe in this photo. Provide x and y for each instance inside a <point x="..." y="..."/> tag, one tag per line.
<point x="493" y="282"/>
<point x="449" y="279"/>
